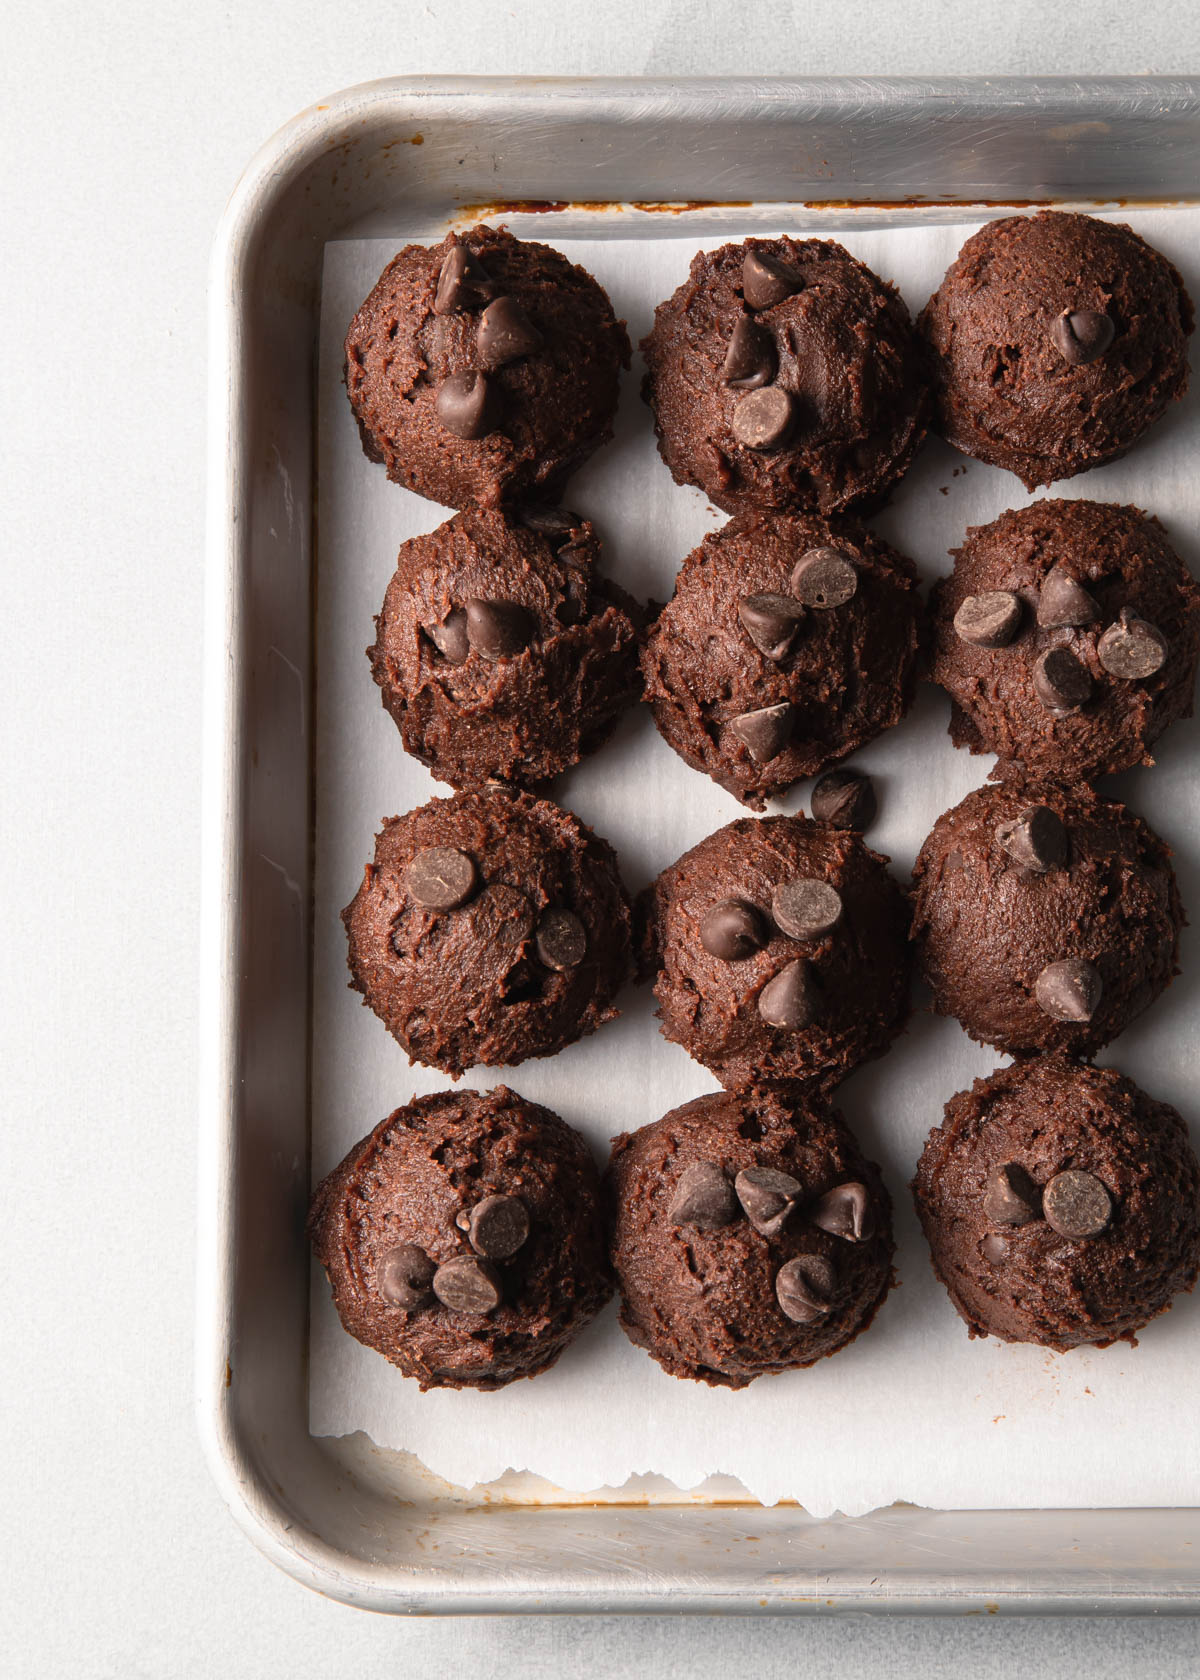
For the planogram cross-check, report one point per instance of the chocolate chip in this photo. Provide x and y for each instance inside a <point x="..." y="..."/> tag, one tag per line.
<point x="547" y="521"/>
<point x="1036" y="839"/>
<point x="561" y="939"/>
<point x="404" y="1276"/>
<point x="765" y="733"/>
<point x="1064" y="603"/>
<point x="1010" y="1197"/>
<point x="824" y="577"/>
<point x="1076" y="1204"/>
<point x="763" y="419"/>
<point x="844" y="799"/>
<point x="994" y="1249"/>
<point x="1132" y="648"/>
<point x="732" y="930"/>
<point x="467" y="1285"/>
<point x="767" y="279"/>
<point x="1082" y="335"/>
<point x="767" y="1197"/>
<point x="844" y="1211"/>
<point x="750" y="360"/>
<point x="989" y="620"/>
<point x="463" y="283"/>
<point x="498" y="629"/>
<point x="1061" y="681"/>
<point x="1069" y="990"/>
<point x="806" y="908"/>
<point x="450" y="638"/>
<point x="804" y="1288"/>
<point x="790" y="999"/>
<point x="499" y="1226"/>
<point x="468" y="404"/>
<point x="440" y="878"/>
<point x="771" y="622"/>
<point x="505" y="334"/>
<point x="703" y="1197"/>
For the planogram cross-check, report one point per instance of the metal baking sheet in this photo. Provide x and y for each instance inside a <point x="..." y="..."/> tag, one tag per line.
<point x="401" y="160"/>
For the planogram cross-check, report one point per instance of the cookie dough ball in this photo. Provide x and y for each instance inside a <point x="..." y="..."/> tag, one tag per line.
<point x="1067" y="638"/>
<point x="785" y="374"/>
<point x="789" y="643"/>
<point x="484" y="368"/>
<point x="782" y="952"/>
<point x="1061" y="1205"/>
<point x="464" y="1239"/>
<point x="1046" y="918"/>
<point x="749" y="1235"/>
<point x="491" y="927"/>
<point x="499" y="652"/>
<point x="1056" y="341"/>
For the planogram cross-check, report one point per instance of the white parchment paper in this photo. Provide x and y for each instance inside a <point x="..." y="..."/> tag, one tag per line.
<point x="913" y="1410"/>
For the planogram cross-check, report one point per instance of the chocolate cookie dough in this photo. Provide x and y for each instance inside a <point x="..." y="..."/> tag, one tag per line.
<point x="1061" y="1205"/>
<point x="782" y="952"/>
<point x="464" y="1240"/>
<point x="789" y="643"/>
<point x="499" y="652"/>
<point x="785" y="374"/>
<point x="1046" y="918"/>
<point x="1067" y="637"/>
<point x="749" y="1235"/>
<point x="484" y="369"/>
<point x="1056" y="340"/>
<point x="491" y="927"/>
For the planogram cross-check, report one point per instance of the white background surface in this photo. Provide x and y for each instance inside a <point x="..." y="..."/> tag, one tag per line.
<point x="123" y="130"/>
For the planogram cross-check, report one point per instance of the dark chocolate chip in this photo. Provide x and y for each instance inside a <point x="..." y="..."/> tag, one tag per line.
<point x="844" y="799"/>
<point x="824" y="577"/>
<point x="468" y="404"/>
<point x="763" y="419"/>
<point x="450" y="638"/>
<point x="994" y="1249"/>
<point x="806" y="908"/>
<point x="1069" y="990"/>
<point x="1010" y="1197"/>
<point x="732" y="930"/>
<point x="750" y="360"/>
<point x="790" y="999"/>
<point x="404" y="1277"/>
<point x="463" y="282"/>
<point x="765" y="733"/>
<point x="1132" y="648"/>
<point x="767" y="1197"/>
<point x="467" y="1285"/>
<point x="805" y="1288"/>
<point x="703" y="1197"/>
<point x="771" y="622"/>
<point x="767" y="279"/>
<point x="553" y="522"/>
<point x="1065" y="603"/>
<point x="505" y="334"/>
<point x="561" y="939"/>
<point x="1076" y="1204"/>
<point x="499" y="1226"/>
<point x="440" y="878"/>
<point x="498" y="629"/>
<point x="989" y="620"/>
<point x="1037" y="839"/>
<point x="844" y="1211"/>
<point x="1061" y="681"/>
<point x="1082" y="335"/>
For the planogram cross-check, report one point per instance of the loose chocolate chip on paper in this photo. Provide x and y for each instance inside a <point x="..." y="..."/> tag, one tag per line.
<point x="467" y="1285"/>
<point x="498" y="1227"/>
<point x="468" y="404"/>
<point x="1065" y="603"/>
<point x="844" y="799"/>
<point x="1010" y="1197"/>
<point x="1069" y="990"/>
<point x="765" y="733"/>
<point x="1076" y="1204"/>
<point x="441" y="878"/>
<point x="804" y="1288"/>
<point x="768" y="1197"/>
<point x="1036" y="839"/>
<point x="763" y="419"/>
<point x="450" y="637"/>
<point x="1061" y="682"/>
<point x="463" y="282"/>
<point x="498" y="629"/>
<point x="732" y="930"/>
<point x="790" y="999"/>
<point x="844" y="1211"/>
<point x="989" y="620"/>
<point x="1132" y="648"/>
<point x="825" y="578"/>
<point x="806" y="908"/>
<point x="404" y="1277"/>
<point x="703" y="1198"/>
<point x="750" y="360"/>
<point x="505" y="334"/>
<point x="771" y="622"/>
<point x="547" y="521"/>
<point x="1082" y="335"/>
<point x="767" y="279"/>
<point x="561" y="939"/>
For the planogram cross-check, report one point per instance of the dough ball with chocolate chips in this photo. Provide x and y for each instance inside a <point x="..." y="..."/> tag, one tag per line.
<point x="491" y="926"/>
<point x="1056" y="340"/>
<point x="1046" y="918"/>
<point x="1061" y="1205"/>
<point x="1067" y="637"/>
<point x="781" y="949"/>
<point x="749" y="1235"/>
<point x="464" y="1239"/>
<point x="484" y="369"/>
<point x="788" y="643"/>
<point x="499" y="652"/>
<point x="785" y="374"/>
